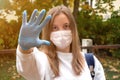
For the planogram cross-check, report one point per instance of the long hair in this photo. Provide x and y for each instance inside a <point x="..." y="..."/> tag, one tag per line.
<point x="78" y="60"/>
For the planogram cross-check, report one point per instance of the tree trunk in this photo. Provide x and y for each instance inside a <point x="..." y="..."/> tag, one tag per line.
<point x="65" y="3"/>
<point x="75" y="9"/>
<point x="91" y="3"/>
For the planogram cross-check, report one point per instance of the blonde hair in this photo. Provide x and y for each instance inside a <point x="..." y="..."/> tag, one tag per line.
<point x="78" y="61"/>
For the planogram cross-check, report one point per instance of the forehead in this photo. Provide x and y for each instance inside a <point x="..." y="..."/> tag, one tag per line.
<point x="61" y="18"/>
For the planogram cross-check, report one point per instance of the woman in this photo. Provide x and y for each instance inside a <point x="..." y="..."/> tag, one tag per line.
<point x="60" y="57"/>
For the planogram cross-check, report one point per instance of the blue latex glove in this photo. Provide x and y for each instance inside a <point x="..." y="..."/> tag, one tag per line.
<point x="29" y="32"/>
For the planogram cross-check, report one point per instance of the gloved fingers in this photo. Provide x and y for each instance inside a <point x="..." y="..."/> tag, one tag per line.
<point x="45" y="22"/>
<point x="33" y="16"/>
<point x="40" y="17"/>
<point x="24" y="17"/>
<point x="43" y="42"/>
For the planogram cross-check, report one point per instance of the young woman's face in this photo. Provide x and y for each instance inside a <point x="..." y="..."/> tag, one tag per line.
<point x="61" y="35"/>
<point x="61" y="22"/>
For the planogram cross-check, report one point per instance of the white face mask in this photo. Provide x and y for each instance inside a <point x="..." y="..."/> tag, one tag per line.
<point x="61" y="39"/>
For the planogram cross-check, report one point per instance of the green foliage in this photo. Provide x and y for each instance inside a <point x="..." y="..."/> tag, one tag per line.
<point x="114" y="23"/>
<point x="90" y="25"/>
<point x="108" y="6"/>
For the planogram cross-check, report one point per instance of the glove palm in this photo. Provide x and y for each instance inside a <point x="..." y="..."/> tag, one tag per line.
<point x="29" y="32"/>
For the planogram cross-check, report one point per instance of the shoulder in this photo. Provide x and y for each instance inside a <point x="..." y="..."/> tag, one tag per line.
<point x="83" y="54"/>
<point x="90" y="54"/>
<point x="91" y="59"/>
<point x="97" y="62"/>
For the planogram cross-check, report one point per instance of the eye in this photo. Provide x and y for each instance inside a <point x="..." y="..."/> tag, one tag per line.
<point x="66" y="26"/>
<point x="55" y="28"/>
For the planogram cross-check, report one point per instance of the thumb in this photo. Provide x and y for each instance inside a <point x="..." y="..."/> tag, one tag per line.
<point x="43" y="42"/>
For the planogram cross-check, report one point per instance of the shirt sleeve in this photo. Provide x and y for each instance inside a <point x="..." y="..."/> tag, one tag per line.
<point x="29" y="65"/>
<point x="99" y="71"/>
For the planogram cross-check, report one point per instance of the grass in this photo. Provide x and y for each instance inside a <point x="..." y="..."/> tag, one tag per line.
<point x="111" y="67"/>
<point x="8" y="68"/>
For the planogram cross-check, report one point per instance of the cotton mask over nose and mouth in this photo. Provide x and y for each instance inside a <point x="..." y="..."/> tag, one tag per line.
<point x="61" y="39"/>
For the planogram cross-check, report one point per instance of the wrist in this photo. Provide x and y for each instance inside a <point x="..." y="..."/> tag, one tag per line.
<point x="25" y="51"/>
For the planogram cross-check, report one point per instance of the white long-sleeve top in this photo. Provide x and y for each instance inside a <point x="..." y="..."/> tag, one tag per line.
<point x="35" y="66"/>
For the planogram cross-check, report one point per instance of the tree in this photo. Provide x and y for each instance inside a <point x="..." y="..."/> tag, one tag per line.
<point x="76" y="7"/>
<point x="90" y="25"/>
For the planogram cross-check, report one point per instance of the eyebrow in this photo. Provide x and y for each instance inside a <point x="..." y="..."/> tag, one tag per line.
<point x="67" y="23"/>
<point x="63" y="24"/>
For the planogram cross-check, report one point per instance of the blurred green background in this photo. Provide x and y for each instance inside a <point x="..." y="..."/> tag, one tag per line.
<point x="99" y="22"/>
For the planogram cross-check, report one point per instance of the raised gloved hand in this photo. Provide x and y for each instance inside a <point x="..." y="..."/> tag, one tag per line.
<point x="29" y="32"/>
